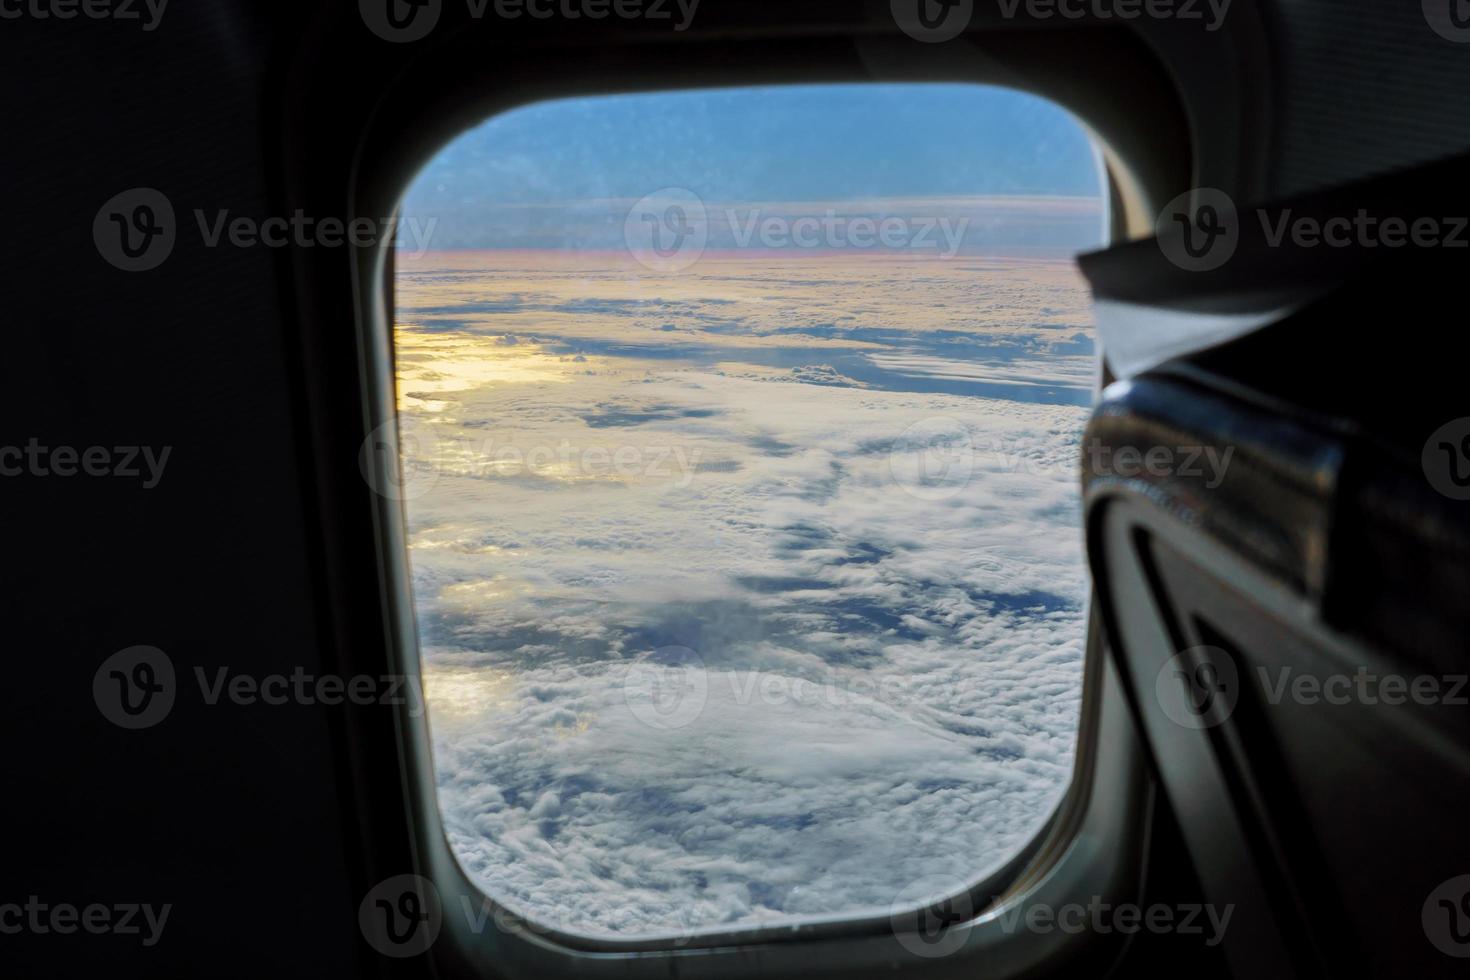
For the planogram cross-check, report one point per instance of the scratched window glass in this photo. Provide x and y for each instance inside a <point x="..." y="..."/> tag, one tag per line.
<point x="740" y="437"/>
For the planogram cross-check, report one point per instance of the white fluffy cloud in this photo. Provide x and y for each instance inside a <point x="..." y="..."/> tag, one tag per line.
<point x="871" y="588"/>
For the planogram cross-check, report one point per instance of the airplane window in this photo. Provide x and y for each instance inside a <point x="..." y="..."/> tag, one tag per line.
<point x="740" y="437"/>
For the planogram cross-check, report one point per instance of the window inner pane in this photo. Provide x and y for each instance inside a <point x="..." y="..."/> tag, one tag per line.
<point x="740" y="440"/>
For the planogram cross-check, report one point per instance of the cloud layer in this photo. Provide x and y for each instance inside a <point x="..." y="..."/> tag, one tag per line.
<point x="743" y="597"/>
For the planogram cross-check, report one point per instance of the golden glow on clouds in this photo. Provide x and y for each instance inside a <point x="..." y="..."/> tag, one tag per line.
<point x="482" y="590"/>
<point x="433" y="363"/>
<point x="467" y="693"/>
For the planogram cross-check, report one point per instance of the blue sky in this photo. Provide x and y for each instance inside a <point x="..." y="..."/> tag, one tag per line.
<point x="828" y="143"/>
